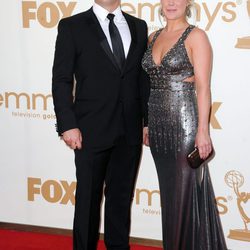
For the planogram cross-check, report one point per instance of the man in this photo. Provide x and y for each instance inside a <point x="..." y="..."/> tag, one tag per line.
<point x="102" y="50"/>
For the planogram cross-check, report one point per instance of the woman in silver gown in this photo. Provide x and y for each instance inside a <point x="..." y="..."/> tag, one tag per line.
<point x="178" y="62"/>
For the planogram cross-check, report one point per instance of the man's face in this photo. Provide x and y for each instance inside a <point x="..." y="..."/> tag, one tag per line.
<point x="108" y="2"/>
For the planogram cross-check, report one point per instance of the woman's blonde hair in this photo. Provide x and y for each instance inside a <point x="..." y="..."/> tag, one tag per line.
<point x="188" y="9"/>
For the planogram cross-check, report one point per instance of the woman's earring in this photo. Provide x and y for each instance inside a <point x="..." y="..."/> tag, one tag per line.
<point x="188" y="11"/>
<point x="161" y="12"/>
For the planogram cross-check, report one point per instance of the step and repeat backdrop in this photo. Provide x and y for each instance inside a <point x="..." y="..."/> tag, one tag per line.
<point x="37" y="178"/>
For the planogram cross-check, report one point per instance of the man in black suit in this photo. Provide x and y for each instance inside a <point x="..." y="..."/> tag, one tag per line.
<point x="101" y="49"/>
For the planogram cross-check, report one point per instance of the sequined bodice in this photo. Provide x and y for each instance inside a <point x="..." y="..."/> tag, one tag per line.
<point x="175" y="65"/>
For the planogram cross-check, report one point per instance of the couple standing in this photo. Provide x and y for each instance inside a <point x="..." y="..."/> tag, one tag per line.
<point x="126" y="81"/>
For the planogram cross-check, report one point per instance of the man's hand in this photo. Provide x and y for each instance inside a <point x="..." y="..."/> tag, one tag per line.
<point x="73" y="138"/>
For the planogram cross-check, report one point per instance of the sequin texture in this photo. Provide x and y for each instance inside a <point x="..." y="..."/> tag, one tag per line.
<point x="172" y="103"/>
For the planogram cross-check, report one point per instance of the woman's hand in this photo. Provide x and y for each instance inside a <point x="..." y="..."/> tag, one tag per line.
<point x="204" y="144"/>
<point x="145" y="136"/>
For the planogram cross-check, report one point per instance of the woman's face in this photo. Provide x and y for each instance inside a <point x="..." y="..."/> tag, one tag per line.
<point x="174" y="9"/>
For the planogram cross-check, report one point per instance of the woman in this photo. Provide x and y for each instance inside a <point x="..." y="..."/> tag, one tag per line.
<point x="178" y="61"/>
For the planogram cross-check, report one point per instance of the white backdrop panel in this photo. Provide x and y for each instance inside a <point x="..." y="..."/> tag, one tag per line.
<point x="37" y="171"/>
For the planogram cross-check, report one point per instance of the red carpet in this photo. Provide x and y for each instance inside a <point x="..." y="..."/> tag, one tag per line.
<point x="15" y="240"/>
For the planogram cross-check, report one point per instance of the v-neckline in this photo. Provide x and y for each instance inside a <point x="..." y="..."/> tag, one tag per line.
<point x="168" y="51"/>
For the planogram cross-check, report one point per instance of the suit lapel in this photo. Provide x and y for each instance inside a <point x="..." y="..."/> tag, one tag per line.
<point x="96" y="28"/>
<point x="133" y="44"/>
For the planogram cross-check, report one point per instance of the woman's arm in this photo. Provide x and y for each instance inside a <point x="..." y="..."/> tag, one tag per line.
<point x="145" y="129"/>
<point x="201" y="52"/>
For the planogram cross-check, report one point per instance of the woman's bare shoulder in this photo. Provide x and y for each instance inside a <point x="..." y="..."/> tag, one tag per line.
<point x="198" y="35"/>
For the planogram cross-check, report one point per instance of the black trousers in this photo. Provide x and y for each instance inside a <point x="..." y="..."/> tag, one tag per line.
<point x="116" y="167"/>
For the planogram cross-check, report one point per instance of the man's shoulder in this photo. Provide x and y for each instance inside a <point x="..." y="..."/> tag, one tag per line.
<point x="135" y="19"/>
<point x="77" y="17"/>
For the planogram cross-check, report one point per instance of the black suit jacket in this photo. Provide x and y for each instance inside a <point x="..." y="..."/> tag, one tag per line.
<point x="104" y="94"/>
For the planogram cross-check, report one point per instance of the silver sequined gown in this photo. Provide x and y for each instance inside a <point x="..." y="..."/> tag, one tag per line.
<point x="190" y="220"/>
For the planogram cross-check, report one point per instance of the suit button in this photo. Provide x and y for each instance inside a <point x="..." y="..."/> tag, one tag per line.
<point x="122" y="77"/>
